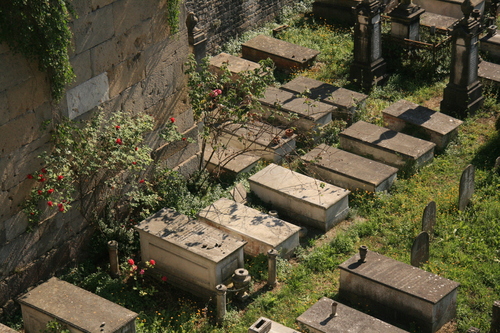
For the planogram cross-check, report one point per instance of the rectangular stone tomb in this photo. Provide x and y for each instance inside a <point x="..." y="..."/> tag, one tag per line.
<point x="435" y="126"/>
<point x="397" y="291"/>
<point x="447" y="7"/>
<point x="259" y="139"/>
<point x="266" y="325"/>
<point x="336" y="10"/>
<point x="349" y="170"/>
<point x="229" y="160"/>
<point x="346" y="101"/>
<point x="489" y="73"/>
<point x="235" y="65"/>
<point x="304" y="199"/>
<point x="261" y="231"/>
<point x="385" y="145"/>
<point x="285" y="55"/>
<point x="320" y="319"/>
<point x="192" y="255"/>
<point x="6" y="329"/>
<point x="490" y="44"/>
<point x="441" y="22"/>
<point x="74" y="307"/>
<point x="306" y="113"/>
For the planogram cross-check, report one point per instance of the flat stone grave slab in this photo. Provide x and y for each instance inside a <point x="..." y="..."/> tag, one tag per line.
<point x="304" y="199"/>
<point x="6" y="329"/>
<point x="441" y="22"/>
<point x="235" y="65"/>
<point x="489" y="73"/>
<point x="310" y="114"/>
<point x="336" y="10"/>
<point x="78" y="309"/>
<point x="434" y="126"/>
<point x="285" y="55"/>
<point x="491" y="45"/>
<point x="259" y="139"/>
<point x="229" y="160"/>
<point x="266" y="325"/>
<point x="347" y="170"/>
<point x="319" y="319"/>
<point x="385" y="145"/>
<point x="450" y="8"/>
<point x="346" y="101"/>
<point x="193" y="255"/>
<point x="397" y="291"/>
<point x="261" y="231"/>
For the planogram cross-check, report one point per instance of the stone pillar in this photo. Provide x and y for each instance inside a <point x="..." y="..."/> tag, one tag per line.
<point x="405" y="20"/>
<point x="368" y="68"/>
<point x="463" y="94"/>
<point x="271" y="268"/>
<point x="221" y="302"/>
<point x="113" y="258"/>
<point x="495" y="318"/>
<point x="197" y="39"/>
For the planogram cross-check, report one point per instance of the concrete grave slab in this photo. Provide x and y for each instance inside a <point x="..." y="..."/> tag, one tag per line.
<point x="491" y="45"/>
<point x="260" y="139"/>
<point x="319" y="319"/>
<point x="266" y="325"/>
<point x="349" y="170"/>
<point x="78" y="309"/>
<point x="441" y="22"/>
<point x="285" y="55"/>
<point x="311" y="114"/>
<point x="438" y="127"/>
<point x="346" y="101"/>
<point x="305" y="199"/>
<point x="193" y="255"/>
<point x="397" y="291"/>
<point x="229" y="160"/>
<point x="262" y="232"/>
<point x="235" y="65"/>
<point x="450" y="8"/>
<point x="385" y="145"/>
<point x="336" y="10"/>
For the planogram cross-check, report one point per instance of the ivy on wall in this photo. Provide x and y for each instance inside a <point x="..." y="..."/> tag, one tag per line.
<point x="38" y="29"/>
<point x="173" y="10"/>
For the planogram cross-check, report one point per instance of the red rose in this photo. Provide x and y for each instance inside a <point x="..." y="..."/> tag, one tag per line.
<point x="50" y="203"/>
<point x="164" y="278"/>
<point x="44" y="170"/>
<point x="60" y="177"/>
<point x="172" y="120"/>
<point x="61" y="207"/>
<point x="50" y="191"/>
<point x="141" y="181"/>
<point x="41" y="180"/>
<point x="131" y="262"/>
<point x="134" y="163"/>
<point x="184" y="139"/>
<point x="119" y="141"/>
<point x="40" y="192"/>
<point x="136" y="148"/>
<point x="142" y="271"/>
<point x="29" y="176"/>
<point x="152" y="262"/>
<point x="117" y="127"/>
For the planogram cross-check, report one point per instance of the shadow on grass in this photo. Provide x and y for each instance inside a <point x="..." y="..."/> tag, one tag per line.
<point x="488" y="153"/>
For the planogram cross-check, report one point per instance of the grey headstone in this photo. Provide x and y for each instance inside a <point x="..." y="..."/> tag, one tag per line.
<point x="429" y="218"/>
<point x="420" y="249"/>
<point x="466" y="187"/>
<point x="497" y="163"/>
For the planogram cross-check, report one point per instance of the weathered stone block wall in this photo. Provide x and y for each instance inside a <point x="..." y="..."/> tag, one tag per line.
<point x="225" y="19"/>
<point x="125" y="58"/>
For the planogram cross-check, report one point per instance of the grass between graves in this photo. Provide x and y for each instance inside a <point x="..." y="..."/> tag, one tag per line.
<point x="465" y="245"/>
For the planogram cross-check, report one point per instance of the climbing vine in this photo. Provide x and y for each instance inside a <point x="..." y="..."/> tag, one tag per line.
<point x="39" y="30"/>
<point x="173" y="10"/>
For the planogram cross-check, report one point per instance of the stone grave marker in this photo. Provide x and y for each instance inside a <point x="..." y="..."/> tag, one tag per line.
<point x="239" y="193"/>
<point x="266" y="325"/>
<point x="497" y="163"/>
<point x="420" y="249"/>
<point x="495" y="318"/>
<point x="466" y="189"/>
<point x="429" y="218"/>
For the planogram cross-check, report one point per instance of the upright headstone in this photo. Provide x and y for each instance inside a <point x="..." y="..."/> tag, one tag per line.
<point x="197" y="38"/>
<point x="466" y="187"/>
<point x="420" y="249"/>
<point x="463" y="94"/>
<point x="497" y="164"/>
<point x="368" y="68"/>
<point x="495" y="318"/>
<point x="405" y="20"/>
<point x="429" y="218"/>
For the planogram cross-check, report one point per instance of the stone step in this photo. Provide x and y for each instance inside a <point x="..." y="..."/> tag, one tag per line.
<point x="261" y="231"/>
<point x="229" y="160"/>
<point x="349" y="170"/>
<point x="434" y="126"/>
<point x="346" y="101"/>
<point x="285" y="55"/>
<point x="258" y="138"/>
<point x="385" y="145"/>
<point x="235" y="65"/>
<point x="304" y="114"/>
<point x="303" y="199"/>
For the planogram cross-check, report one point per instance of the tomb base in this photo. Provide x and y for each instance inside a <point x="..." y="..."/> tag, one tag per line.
<point x="369" y="75"/>
<point x="459" y="101"/>
<point x="339" y="11"/>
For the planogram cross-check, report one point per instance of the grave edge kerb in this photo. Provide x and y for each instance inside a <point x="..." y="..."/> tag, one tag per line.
<point x="350" y="260"/>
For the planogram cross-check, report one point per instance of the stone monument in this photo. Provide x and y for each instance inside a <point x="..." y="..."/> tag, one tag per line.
<point x="420" y="249"/>
<point x="463" y="94"/>
<point x="405" y="20"/>
<point x="466" y="189"/>
<point x="197" y="38"/>
<point x="429" y="218"/>
<point x="368" y="68"/>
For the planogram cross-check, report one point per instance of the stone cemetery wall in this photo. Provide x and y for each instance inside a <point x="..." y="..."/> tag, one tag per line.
<point x="225" y="19"/>
<point x="124" y="54"/>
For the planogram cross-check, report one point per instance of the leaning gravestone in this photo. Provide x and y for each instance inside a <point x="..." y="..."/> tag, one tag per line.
<point x="420" y="249"/>
<point x="466" y="187"/>
<point x="429" y="218"/>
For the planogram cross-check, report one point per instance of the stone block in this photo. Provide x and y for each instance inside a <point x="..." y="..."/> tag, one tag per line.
<point x="489" y="73"/>
<point x="285" y="55"/>
<point x="441" y="22"/>
<point x="158" y="85"/>
<point x="60" y="300"/>
<point x="491" y="45"/>
<point x="19" y="132"/>
<point x="434" y="126"/>
<point x="193" y="255"/>
<point x="229" y="160"/>
<point x="125" y="74"/>
<point x="18" y="196"/>
<point x="93" y="28"/>
<point x="320" y="319"/>
<point x="261" y="231"/>
<point x="385" y="145"/>
<point x="87" y="95"/>
<point x="348" y="170"/>
<point x="174" y="153"/>
<point x="304" y="199"/>
<point x="15" y="70"/>
<point x="188" y="167"/>
<point x="235" y="65"/>
<point x="82" y="67"/>
<point x="6" y="329"/>
<point x="16" y="225"/>
<point x="447" y="8"/>
<point x="97" y="4"/>
<point x="128" y="13"/>
<point x="335" y="10"/>
<point x="265" y="325"/>
<point x="398" y="291"/>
